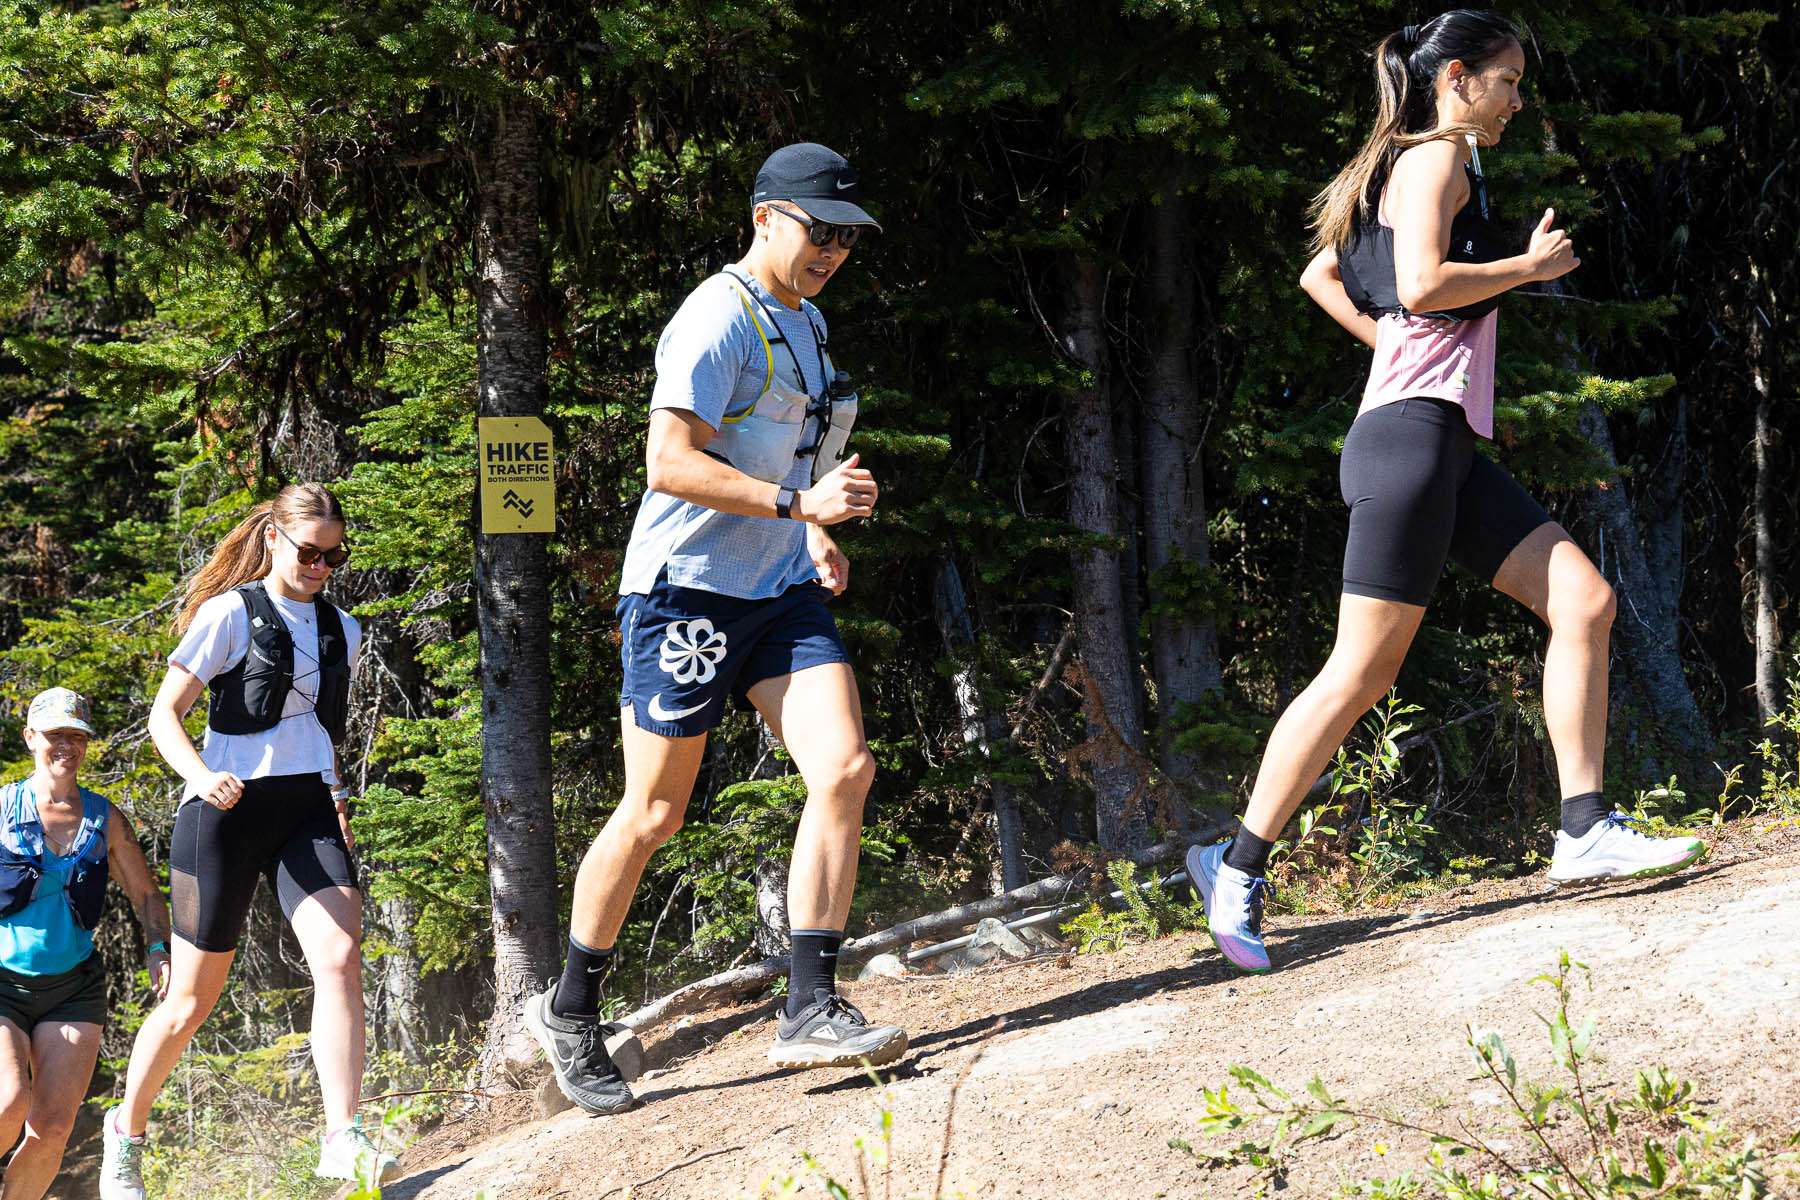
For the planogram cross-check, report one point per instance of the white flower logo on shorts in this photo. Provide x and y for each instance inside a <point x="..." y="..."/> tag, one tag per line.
<point x="693" y="650"/>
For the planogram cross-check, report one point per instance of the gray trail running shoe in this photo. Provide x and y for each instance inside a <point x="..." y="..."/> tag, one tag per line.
<point x="576" y="1049"/>
<point x="121" y="1161"/>
<point x="832" y="1032"/>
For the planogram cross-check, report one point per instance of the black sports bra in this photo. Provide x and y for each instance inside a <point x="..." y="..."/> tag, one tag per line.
<point x="1367" y="262"/>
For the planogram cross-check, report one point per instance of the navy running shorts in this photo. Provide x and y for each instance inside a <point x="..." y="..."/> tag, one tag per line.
<point x="686" y="651"/>
<point x="1420" y="494"/>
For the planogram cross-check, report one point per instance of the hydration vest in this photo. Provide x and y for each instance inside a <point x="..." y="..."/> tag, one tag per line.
<point x="784" y="423"/>
<point x="249" y="697"/>
<point x="1367" y="262"/>
<point x="22" y="854"/>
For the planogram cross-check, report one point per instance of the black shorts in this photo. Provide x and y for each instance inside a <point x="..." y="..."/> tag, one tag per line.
<point x="284" y="827"/>
<point x="76" y="995"/>
<point x="1421" y="494"/>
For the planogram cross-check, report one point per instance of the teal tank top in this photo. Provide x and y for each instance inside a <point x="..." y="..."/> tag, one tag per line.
<point x="43" y="937"/>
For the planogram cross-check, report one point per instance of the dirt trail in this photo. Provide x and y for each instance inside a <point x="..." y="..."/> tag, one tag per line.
<point x="1100" y="1061"/>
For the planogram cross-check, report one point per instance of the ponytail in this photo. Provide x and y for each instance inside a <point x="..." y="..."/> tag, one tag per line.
<point x="243" y="555"/>
<point x="1407" y="63"/>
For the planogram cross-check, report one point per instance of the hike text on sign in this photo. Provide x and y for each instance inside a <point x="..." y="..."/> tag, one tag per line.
<point x="512" y="460"/>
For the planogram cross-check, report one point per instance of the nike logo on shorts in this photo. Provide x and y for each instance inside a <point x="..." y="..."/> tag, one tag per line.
<point x="659" y="713"/>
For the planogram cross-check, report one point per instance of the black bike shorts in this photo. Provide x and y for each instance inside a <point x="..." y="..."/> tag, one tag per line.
<point x="283" y="827"/>
<point x="1421" y="494"/>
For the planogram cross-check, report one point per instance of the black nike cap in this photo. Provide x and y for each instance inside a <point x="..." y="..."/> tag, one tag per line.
<point x="818" y="179"/>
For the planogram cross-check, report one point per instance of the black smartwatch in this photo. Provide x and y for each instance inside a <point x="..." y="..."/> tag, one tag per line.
<point x="784" y="503"/>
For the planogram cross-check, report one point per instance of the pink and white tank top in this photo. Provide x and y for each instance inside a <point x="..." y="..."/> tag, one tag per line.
<point x="1424" y="356"/>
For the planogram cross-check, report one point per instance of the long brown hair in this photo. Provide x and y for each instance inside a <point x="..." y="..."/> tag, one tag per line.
<point x="244" y="553"/>
<point x="1406" y="68"/>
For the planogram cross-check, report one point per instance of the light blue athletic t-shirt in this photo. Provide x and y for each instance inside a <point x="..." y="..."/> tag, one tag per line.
<point x="710" y="361"/>
<point x="42" y="938"/>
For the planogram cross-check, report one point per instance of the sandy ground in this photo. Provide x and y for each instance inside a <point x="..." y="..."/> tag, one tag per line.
<point x="1098" y="1060"/>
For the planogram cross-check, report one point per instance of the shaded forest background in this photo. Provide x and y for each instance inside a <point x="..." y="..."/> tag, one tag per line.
<point x="243" y="244"/>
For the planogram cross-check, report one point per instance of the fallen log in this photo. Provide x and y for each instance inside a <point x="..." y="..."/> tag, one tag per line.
<point x="704" y="992"/>
<point x="1053" y="890"/>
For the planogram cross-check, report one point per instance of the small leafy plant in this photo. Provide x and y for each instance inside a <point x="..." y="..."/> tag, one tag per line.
<point x="1387" y="837"/>
<point x="1586" y="1141"/>
<point x="1148" y="911"/>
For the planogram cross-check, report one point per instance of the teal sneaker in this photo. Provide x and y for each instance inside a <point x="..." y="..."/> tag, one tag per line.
<point x="348" y="1153"/>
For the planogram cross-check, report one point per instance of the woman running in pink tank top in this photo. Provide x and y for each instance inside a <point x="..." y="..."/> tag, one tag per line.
<point x="1411" y="264"/>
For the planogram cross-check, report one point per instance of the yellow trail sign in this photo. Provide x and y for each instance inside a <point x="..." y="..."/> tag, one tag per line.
<point x="518" y="475"/>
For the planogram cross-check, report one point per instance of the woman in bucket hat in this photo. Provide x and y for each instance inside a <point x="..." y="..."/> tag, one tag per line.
<point x="59" y="845"/>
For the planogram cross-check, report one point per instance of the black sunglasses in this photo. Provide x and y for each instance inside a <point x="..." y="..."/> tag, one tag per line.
<point x="821" y="232"/>
<point x="309" y="554"/>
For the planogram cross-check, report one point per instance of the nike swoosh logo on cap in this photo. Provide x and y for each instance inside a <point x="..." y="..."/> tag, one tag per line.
<point x="842" y="185"/>
<point x="659" y="713"/>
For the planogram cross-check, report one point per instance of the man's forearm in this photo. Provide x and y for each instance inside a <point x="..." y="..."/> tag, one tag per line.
<point x="699" y="478"/>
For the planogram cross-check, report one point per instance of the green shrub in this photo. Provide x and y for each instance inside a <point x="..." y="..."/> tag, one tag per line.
<point x="1587" y="1141"/>
<point x="1148" y="912"/>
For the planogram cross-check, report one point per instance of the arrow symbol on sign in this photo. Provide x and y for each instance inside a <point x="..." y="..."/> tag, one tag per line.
<point x="511" y="499"/>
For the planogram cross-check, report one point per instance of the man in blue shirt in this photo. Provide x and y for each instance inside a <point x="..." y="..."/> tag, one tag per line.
<point x="723" y="592"/>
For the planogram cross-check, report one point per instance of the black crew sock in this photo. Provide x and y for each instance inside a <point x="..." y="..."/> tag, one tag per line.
<point x="1581" y="813"/>
<point x="1248" y="853"/>
<point x="584" y="971"/>
<point x="814" y="966"/>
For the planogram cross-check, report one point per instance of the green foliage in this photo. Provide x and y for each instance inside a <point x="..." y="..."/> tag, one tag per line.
<point x="1780" y="754"/>
<point x="1147" y="911"/>
<point x="243" y="1119"/>
<point x="1389" y="837"/>
<point x="1590" y="1141"/>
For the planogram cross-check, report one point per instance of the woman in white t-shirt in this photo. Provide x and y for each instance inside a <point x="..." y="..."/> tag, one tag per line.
<point x="263" y="798"/>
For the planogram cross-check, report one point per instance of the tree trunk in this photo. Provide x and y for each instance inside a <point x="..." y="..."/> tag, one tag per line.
<point x="1126" y="452"/>
<point x="401" y="1016"/>
<point x="1765" y="629"/>
<point x="774" y="928"/>
<point x="980" y="728"/>
<point x="1648" y="625"/>
<point x="1114" y="708"/>
<point x="512" y="586"/>
<point x="1184" y="643"/>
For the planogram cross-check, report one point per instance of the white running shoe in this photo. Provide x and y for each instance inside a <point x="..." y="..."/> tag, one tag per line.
<point x="1234" y="907"/>
<point x="348" y="1153"/>
<point x="121" y="1161"/>
<point x="1612" y="849"/>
